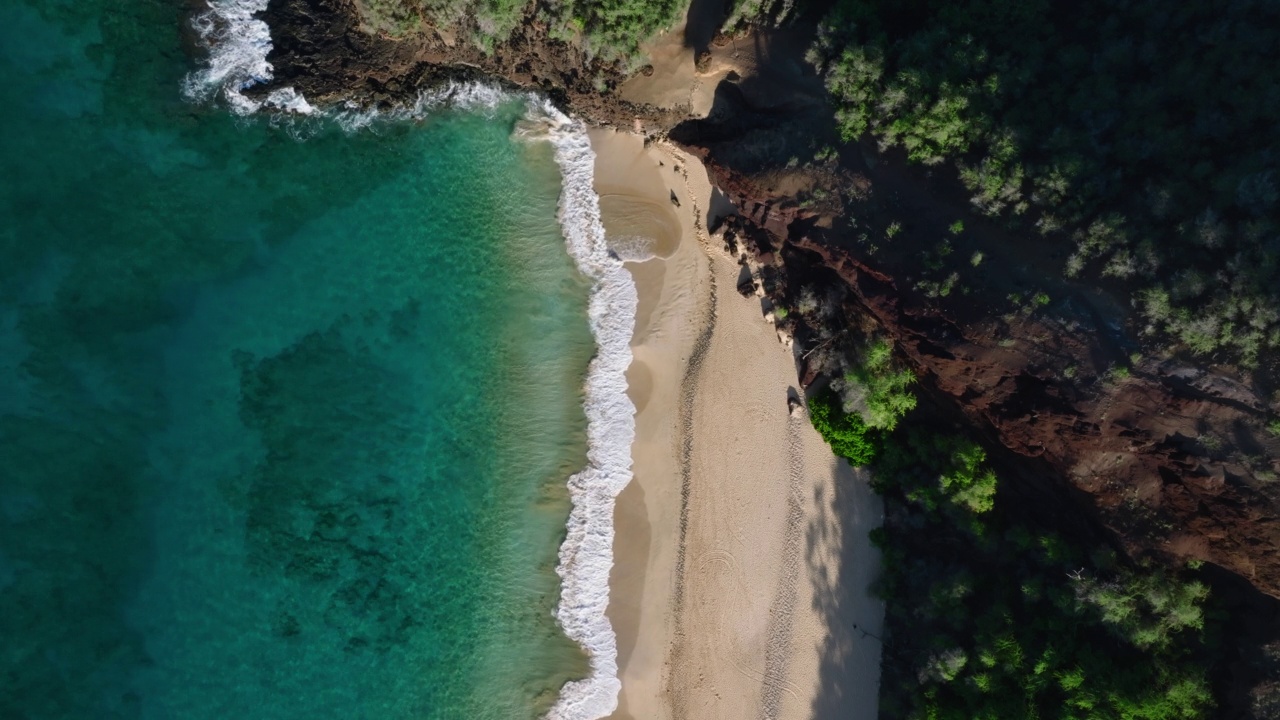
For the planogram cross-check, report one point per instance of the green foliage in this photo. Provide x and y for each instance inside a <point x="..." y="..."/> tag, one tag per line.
<point x="495" y="19"/>
<point x="1118" y="373"/>
<point x="887" y="393"/>
<point x="1147" y="610"/>
<point x="940" y="473"/>
<point x="395" y="17"/>
<point x="990" y="619"/>
<point x="988" y="616"/>
<point x="613" y="29"/>
<point x="848" y="436"/>
<point x="1063" y="119"/>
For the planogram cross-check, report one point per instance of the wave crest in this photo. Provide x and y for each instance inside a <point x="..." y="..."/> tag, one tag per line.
<point x="238" y="42"/>
<point x="586" y="556"/>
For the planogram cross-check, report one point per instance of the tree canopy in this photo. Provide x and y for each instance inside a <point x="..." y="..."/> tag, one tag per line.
<point x="1143" y="134"/>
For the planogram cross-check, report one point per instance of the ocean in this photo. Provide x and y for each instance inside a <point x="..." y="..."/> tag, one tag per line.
<point x="299" y="417"/>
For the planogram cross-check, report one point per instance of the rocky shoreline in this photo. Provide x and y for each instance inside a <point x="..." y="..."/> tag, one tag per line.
<point x="1163" y="455"/>
<point x="320" y="49"/>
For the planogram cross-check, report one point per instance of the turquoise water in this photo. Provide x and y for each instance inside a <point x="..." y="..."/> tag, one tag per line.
<point x="284" y="425"/>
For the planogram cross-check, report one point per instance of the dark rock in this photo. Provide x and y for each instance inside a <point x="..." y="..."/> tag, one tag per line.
<point x="703" y="63"/>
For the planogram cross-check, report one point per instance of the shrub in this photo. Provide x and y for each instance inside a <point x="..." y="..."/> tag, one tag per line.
<point x="615" y="29"/>
<point x="886" y="391"/>
<point x="939" y="472"/>
<point x="848" y="436"/>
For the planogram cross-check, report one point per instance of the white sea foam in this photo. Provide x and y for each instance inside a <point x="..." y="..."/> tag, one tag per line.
<point x="473" y="96"/>
<point x="586" y="557"/>
<point x="238" y="42"/>
<point x="289" y="100"/>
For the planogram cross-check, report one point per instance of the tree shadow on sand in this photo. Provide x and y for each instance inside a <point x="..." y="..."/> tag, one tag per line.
<point x="843" y="564"/>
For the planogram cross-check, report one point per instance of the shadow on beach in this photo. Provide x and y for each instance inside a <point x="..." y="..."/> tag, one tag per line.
<point x="843" y="563"/>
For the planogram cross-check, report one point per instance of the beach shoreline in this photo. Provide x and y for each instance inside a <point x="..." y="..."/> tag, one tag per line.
<point x="741" y="560"/>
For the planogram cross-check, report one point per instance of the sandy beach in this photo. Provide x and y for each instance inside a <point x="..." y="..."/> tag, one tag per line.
<point x="742" y="562"/>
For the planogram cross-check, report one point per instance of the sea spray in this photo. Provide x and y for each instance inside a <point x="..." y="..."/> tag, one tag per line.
<point x="238" y="42"/>
<point x="470" y="96"/>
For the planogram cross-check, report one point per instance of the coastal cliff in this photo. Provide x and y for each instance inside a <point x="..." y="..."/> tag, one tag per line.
<point x="1166" y="455"/>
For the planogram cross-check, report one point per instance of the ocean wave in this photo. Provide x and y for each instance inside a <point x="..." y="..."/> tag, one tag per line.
<point x="237" y="42"/>
<point x="586" y="556"/>
<point x="470" y="96"/>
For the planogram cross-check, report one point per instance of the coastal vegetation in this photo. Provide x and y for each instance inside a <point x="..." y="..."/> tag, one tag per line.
<point x="610" y="29"/>
<point x="864" y="404"/>
<point x="992" y="615"/>
<point x="846" y="433"/>
<point x="878" y="389"/>
<point x="615" y="28"/>
<point x="1111" y="127"/>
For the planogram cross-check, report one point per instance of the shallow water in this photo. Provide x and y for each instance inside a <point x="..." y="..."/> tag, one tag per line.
<point x="284" y="425"/>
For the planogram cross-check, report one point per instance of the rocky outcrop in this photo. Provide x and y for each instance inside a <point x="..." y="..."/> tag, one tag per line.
<point x="320" y="48"/>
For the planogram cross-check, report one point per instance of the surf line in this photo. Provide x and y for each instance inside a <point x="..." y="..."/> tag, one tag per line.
<point x="586" y="556"/>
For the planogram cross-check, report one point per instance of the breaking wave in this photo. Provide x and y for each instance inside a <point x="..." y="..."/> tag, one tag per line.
<point x="586" y="556"/>
<point x="472" y="96"/>
<point x="237" y="42"/>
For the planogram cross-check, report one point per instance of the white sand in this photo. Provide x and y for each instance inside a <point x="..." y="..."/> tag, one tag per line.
<point x="750" y="611"/>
